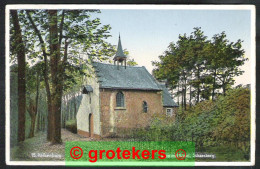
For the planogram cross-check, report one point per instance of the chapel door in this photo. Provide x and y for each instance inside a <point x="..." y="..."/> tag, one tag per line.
<point x="91" y="125"/>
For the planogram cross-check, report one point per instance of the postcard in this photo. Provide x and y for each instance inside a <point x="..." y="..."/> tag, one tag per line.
<point x="130" y="85"/>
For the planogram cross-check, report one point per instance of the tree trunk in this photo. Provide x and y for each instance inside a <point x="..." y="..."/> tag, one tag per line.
<point x="38" y="116"/>
<point x="190" y="95"/>
<point x="62" y="112"/>
<point x="75" y="107"/>
<point x="182" y="96"/>
<point x="67" y="107"/>
<point x="50" y="123"/>
<point x="37" y="100"/>
<point x="64" y="119"/>
<point x="43" y="123"/>
<point x="31" y="110"/>
<point x="34" y="108"/>
<point x="198" y="87"/>
<point x="70" y="109"/>
<point x="56" y="76"/>
<point x="185" y="89"/>
<point x="20" y="50"/>
<point x="224" y="87"/>
<point x="214" y="84"/>
<point x="46" y="78"/>
<point x="33" y="119"/>
<point x="38" y="121"/>
<point x="178" y="93"/>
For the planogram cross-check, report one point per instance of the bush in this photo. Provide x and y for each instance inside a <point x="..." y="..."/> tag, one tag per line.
<point x="224" y="122"/>
<point x="71" y="125"/>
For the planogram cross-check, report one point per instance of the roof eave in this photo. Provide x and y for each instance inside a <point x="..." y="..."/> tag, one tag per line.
<point x="170" y="106"/>
<point x="125" y="88"/>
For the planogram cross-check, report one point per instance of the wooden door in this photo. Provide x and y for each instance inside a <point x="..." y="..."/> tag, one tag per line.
<point x="91" y="125"/>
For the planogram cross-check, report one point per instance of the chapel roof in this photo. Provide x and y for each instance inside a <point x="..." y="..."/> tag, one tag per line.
<point x="132" y="78"/>
<point x="167" y="99"/>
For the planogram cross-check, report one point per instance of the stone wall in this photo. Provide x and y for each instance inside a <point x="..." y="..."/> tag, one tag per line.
<point x="131" y="116"/>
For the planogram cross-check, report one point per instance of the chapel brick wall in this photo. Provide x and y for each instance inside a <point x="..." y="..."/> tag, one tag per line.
<point x="118" y="121"/>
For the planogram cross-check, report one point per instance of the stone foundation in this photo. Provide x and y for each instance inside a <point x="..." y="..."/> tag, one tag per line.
<point x="86" y="134"/>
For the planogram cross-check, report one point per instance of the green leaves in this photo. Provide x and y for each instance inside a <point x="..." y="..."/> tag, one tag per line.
<point x="223" y="122"/>
<point x="84" y="34"/>
<point x="205" y="67"/>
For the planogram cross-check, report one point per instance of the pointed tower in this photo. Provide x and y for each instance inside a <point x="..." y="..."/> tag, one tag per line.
<point x="120" y="57"/>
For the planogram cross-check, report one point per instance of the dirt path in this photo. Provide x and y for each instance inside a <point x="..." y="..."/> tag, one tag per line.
<point x="38" y="149"/>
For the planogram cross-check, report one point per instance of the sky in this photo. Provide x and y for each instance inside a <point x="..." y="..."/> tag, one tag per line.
<point x="147" y="33"/>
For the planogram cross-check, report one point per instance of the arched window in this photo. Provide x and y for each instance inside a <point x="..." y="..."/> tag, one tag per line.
<point x="120" y="101"/>
<point x="145" y="107"/>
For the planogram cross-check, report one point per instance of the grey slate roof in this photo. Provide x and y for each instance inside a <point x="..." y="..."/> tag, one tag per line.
<point x="130" y="78"/>
<point x="87" y="88"/>
<point x="167" y="99"/>
<point x="133" y="77"/>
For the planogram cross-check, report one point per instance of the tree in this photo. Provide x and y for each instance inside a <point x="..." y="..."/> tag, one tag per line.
<point x="131" y="62"/>
<point x="230" y="56"/>
<point x="56" y="76"/>
<point x="200" y="65"/>
<point x="196" y="52"/>
<point x="233" y="117"/>
<point x="175" y="68"/>
<point x="19" y="50"/>
<point x="70" y="33"/>
<point x="33" y="86"/>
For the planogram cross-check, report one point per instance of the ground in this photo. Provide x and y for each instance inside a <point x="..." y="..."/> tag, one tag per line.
<point x="35" y="148"/>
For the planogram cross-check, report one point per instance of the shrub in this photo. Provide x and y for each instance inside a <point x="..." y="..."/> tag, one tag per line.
<point x="224" y="122"/>
<point x="71" y="125"/>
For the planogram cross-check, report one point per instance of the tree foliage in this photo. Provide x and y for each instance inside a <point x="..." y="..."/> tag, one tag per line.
<point x="62" y="42"/>
<point x="199" y="66"/>
<point x="224" y="123"/>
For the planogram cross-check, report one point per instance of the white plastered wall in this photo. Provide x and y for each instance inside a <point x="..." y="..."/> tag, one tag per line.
<point x="86" y="107"/>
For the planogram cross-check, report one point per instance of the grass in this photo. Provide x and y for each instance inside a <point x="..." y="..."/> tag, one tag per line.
<point x="224" y="154"/>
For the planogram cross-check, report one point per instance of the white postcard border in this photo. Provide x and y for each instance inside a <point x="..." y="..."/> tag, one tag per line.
<point x="141" y="7"/>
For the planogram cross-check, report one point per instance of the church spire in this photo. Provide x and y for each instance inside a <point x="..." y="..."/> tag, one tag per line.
<point x="120" y="57"/>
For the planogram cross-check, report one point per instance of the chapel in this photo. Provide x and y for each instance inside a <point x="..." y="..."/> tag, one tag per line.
<point x="118" y="98"/>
